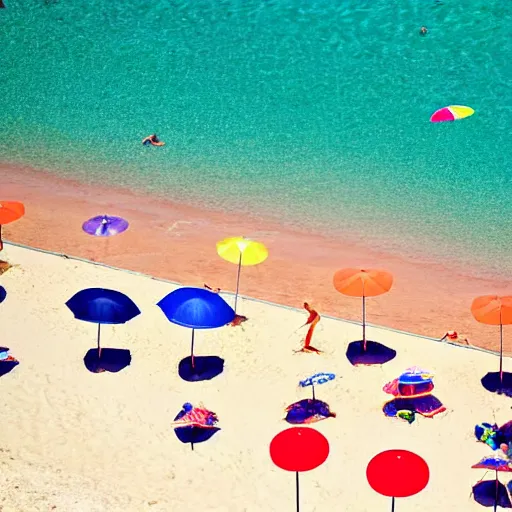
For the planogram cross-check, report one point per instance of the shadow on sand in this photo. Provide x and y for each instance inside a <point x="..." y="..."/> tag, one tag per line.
<point x="492" y="383"/>
<point x="3" y="294"/>
<point x="7" y="366"/>
<point x="111" y="360"/>
<point x="375" y="353"/>
<point x="205" y="368"/>
<point x="491" y="493"/>
<point x="195" y="435"/>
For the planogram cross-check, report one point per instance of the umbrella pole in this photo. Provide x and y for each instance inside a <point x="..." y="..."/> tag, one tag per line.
<point x="192" y="446"/>
<point x="1" y="243"/>
<point x="192" y="350"/>
<point x="501" y="354"/>
<point x="496" y="493"/>
<point x="364" y="323"/>
<point x="238" y="279"/>
<point x="313" y="388"/>
<point x="98" y="340"/>
<point x="297" y="489"/>
<point x="393" y="504"/>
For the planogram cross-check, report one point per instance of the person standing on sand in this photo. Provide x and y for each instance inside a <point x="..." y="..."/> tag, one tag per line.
<point x="312" y="321"/>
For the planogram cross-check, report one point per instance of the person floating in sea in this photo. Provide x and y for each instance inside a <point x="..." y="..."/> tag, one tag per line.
<point x="239" y="319"/>
<point x="151" y="139"/>
<point x="312" y="321"/>
<point x="454" y="336"/>
<point x="423" y="31"/>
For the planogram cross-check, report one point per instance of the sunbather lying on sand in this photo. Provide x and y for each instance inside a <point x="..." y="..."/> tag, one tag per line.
<point x="455" y="336"/>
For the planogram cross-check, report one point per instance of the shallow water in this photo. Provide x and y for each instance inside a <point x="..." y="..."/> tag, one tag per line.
<point x="315" y="111"/>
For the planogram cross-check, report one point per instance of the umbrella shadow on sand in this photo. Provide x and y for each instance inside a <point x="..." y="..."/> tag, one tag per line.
<point x="111" y="360"/>
<point x="203" y="368"/>
<point x="7" y="364"/>
<point x="499" y="384"/>
<point x="375" y="353"/>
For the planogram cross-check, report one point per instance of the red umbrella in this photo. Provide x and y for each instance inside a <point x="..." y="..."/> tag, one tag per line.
<point x="397" y="474"/>
<point x="299" y="449"/>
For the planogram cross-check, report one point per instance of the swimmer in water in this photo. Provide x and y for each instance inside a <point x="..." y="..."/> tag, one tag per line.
<point x="423" y="31"/>
<point x="153" y="140"/>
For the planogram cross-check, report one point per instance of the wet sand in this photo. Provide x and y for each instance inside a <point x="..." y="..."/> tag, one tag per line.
<point x="177" y="242"/>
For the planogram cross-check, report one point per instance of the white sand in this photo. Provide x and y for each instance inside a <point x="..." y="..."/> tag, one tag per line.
<point x="76" y="441"/>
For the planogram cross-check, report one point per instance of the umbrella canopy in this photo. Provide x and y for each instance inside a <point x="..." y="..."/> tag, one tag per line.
<point x="493" y="310"/>
<point x="105" y="225"/>
<point x="451" y="113"/>
<point x="9" y="212"/>
<point x="363" y="283"/>
<point x="493" y="462"/>
<point x="242" y="252"/>
<point x="102" y="306"/>
<point x="196" y="308"/>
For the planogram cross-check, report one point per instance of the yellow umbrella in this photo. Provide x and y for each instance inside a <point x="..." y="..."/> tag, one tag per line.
<point x="241" y="251"/>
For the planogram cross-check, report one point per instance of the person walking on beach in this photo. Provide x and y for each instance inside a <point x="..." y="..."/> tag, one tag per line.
<point x="312" y="321"/>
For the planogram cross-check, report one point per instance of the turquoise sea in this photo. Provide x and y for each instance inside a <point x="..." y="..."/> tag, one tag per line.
<point x="316" y="111"/>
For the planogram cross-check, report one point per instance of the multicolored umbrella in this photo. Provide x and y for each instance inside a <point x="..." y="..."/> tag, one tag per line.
<point x="318" y="378"/>
<point x="9" y="212"/>
<point x="492" y="492"/>
<point x="195" y="424"/>
<point x="451" y="113"/>
<point x="242" y="252"/>
<point x="105" y="225"/>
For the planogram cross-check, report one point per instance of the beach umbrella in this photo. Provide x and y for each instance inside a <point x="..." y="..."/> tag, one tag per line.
<point x="105" y="225"/>
<point x="195" y="424"/>
<point x="9" y="212"/>
<point x="318" y="378"/>
<point x="363" y="283"/>
<point x="397" y="474"/>
<point x="242" y="252"/>
<point x="196" y="308"/>
<point x="494" y="310"/>
<point x="451" y="113"/>
<point x="3" y="294"/>
<point x="102" y="306"/>
<point x="299" y="449"/>
<point x="492" y="490"/>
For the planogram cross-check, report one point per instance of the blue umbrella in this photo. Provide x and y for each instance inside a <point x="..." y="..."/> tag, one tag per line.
<point x="102" y="306"/>
<point x="3" y="294"/>
<point x="196" y="308"/>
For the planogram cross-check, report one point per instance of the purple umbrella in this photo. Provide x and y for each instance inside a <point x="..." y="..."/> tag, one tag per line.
<point x="105" y="225"/>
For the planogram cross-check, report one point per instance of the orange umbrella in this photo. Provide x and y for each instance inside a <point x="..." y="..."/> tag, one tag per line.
<point x="9" y="212"/>
<point x="494" y="310"/>
<point x="362" y="283"/>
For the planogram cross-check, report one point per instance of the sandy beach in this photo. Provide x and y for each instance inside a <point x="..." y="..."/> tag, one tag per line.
<point x="77" y="441"/>
<point x="177" y="242"/>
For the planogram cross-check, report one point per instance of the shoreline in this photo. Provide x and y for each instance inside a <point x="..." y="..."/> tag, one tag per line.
<point x="178" y="244"/>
